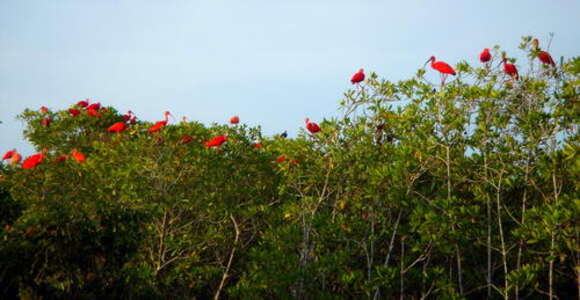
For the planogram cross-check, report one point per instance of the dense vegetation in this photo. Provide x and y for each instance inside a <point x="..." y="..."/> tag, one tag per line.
<point x="468" y="190"/>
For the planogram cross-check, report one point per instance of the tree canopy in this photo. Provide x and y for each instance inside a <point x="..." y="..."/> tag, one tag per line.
<point x="464" y="189"/>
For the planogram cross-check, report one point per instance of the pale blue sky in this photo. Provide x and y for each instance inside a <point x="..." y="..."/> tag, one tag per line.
<point x="271" y="62"/>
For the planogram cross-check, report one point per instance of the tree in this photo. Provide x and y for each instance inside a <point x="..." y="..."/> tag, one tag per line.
<point x="466" y="190"/>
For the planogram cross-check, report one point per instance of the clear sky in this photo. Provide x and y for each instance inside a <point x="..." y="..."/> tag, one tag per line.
<point x="271" y="62"/>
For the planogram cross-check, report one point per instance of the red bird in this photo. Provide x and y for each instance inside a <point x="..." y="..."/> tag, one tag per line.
<point x="83" y="103"/>
<point x="127" y="117"/>
<point x="258" y="145"/>
<point x="510" y="69"/>
<point x="546" y="58"/>
<point x="444" y="68"/>
<point x="16" y="158"/>
<point x="311" y="126"/>
<point x="61" y="158"/>
<point x="543" y="56"/>
<point x="485" y="56"/>
<point x="33" y="161"/>
<point x="95" y="106"/>
<point x="117" y="127"/>
<point x="235" y="120"/>
<point x="186" y="139"/>
<point x="358" y="77"/>
<point x="8" y="154"/>
<point x="93" y="112"/>
<point x="43" y="109"/>
<point x="281" y="159"/>
<point x="157" y="126"/>
<point x="74" y="112"/>
<point x="45" y="122"/>
<point x="79" y="157"/>
<point x="216" y="141"/>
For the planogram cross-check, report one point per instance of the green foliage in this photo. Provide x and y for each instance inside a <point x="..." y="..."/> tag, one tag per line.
<point x="467" y="190"/>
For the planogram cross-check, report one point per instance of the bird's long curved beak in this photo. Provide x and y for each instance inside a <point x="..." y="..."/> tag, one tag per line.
<point x="426" y="62"/>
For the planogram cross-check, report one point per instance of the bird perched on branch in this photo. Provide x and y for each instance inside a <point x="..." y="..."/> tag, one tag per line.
<point x="311" y="126"/>
<point x="543" y="56"/>
<point x="510" y="69"/>
<point x="485" y="56"/>
<point x="216" y="141"/>
<point x="358" y="77"/>
<point x="157" y="126"/>
<point x="443" y="68"/>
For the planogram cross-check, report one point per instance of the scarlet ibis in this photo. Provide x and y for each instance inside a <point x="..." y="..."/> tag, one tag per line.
<point x="83" y="103"/>
<point x="510" y="68"/>
<point x="33" y="161"/>
<point x="45" y="122"/>
<point x="543" y="56"/>
<point x="294" y="161"/>
<point x="117" y="127"/>
<point x="281" y="159"/>
<point x="358" y="76"/>
<point x="8" y="154"/>
<point x="16" y="158"/>
<point x="546" y="58"/>
<point x="234" y="120"/>
<point x="444" y="68"/>
<point x="43" y="109"/>
<point x="157" y="126"/>
<point x="258" y="145"/>
<point x="216" y="141"/>
<point x="74" y="112"/>
<point x="93" y="112"/>
<point x="485" y="56"/>
<point x="186" y="139"/>
<point x="311" y="126"/>
<point x="61" y="158"/>
<point x="127" y="117"/>
<point x="79" y="157"/>
<point x="95" y="106"/>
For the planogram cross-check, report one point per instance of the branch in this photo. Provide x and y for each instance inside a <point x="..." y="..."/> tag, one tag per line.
<point x="225" y="276"/>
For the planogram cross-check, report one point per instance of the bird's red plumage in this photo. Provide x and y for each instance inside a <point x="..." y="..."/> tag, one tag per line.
<point x="79" y="157"/>
<point x="83" y="103"/>
<point x="511" y="70"/>
<point x="443" y="67"/>
<point x="546" y="58"/>
<point x="33" y="161"/>
<point x="45" y="122"/>
<point x="312" y="127"/>
<point x="157" y="126"/>
<point x="357" y="77"/>
<point x="186" y="139"/>
<point x="117" y="127"/>
<point x="8" y="154"/>
<point x="16" y="158"/>
<point x="485" y="56"/>
<point x="93" y="112"/>
<point x="95" y="106"/>
<point x="74" y="112"/>
<point x="216" y="141"/>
